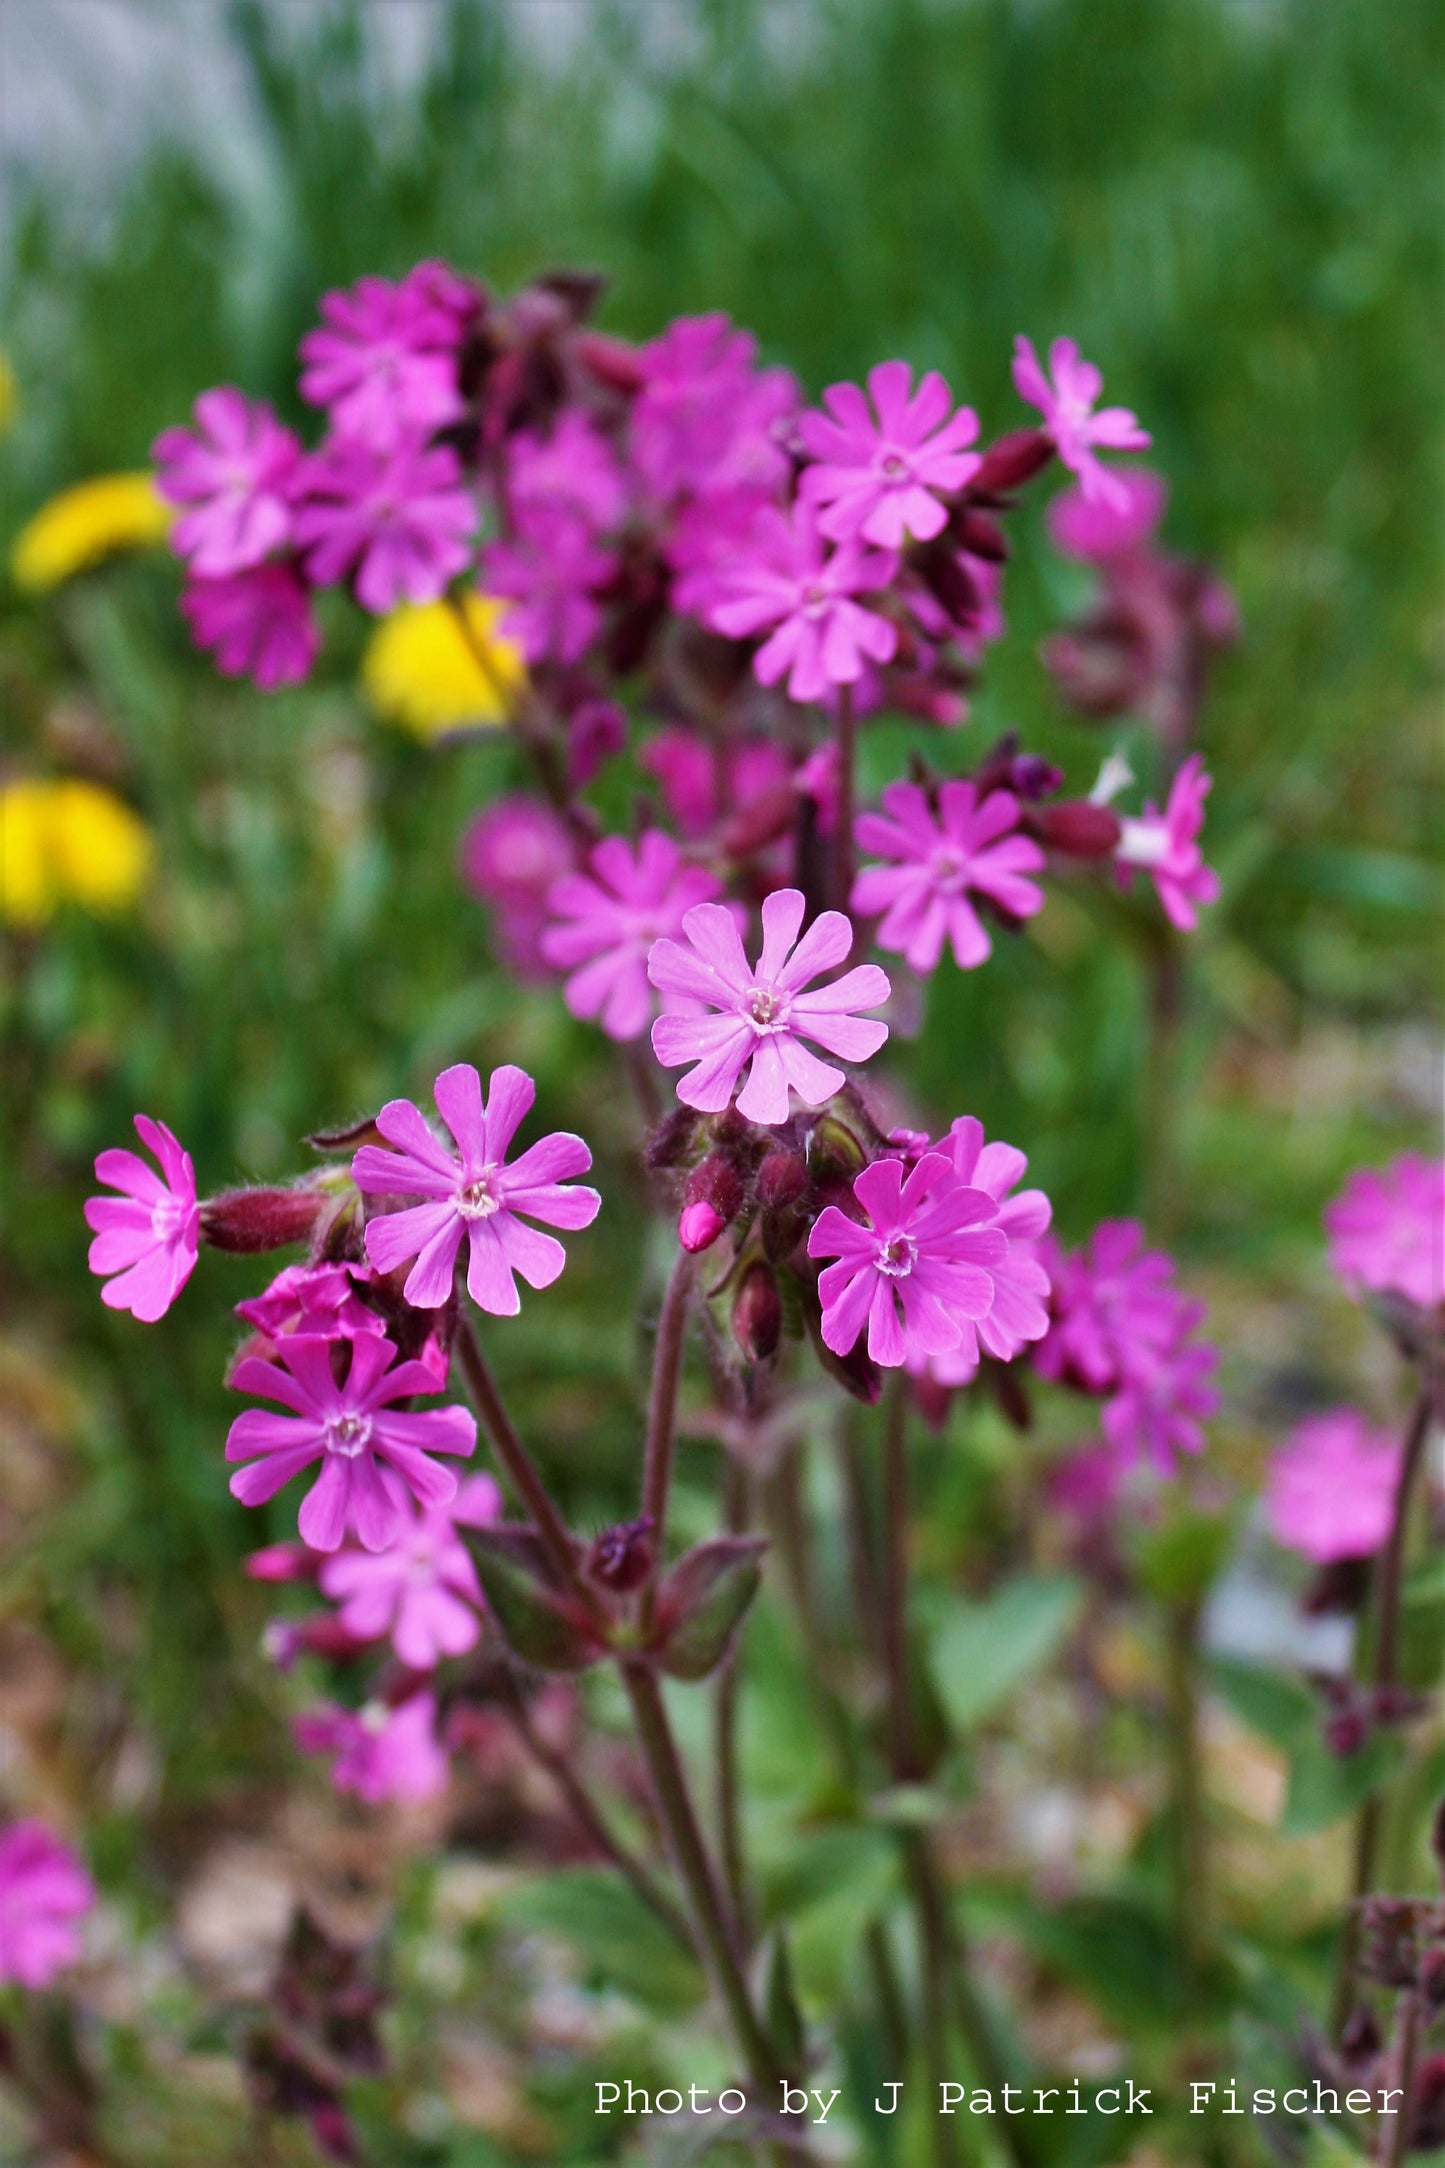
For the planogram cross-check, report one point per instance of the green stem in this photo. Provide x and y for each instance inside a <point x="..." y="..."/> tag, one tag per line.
<point x="662" y="1417"/>
<point x="518" y="1464"/>
<point x="846" y="735"/>
<point x="1190" y="1843"/>
<point x="1396" y="2131"/>
<point x="725" y="1738"/>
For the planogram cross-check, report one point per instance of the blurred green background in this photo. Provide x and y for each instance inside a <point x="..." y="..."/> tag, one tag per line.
<point x="1235" y="208"/>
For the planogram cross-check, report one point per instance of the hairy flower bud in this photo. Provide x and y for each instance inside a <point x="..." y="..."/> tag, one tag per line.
<point x="621" y="1557"/>
<point x="284" y="1562"/>
<point x="672" y="1139"/>
<point x="1078" y="828"/>
<point x="247" y="1220"/>
<point x="1012" y="461"/>
<point x="712" y="1197"/>
<point x="757" y="1319"/>
<point x="834" y="1151"/>
<point x="699" y="1225"/>
<point x="782" y="1179"/>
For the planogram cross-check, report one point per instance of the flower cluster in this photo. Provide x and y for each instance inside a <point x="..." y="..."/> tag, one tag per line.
<point x="1387" y="1232"/>
<point x="45" y="1893"/>
<point x="1331" y="1488"/>
<point x="1123" y="1332"/>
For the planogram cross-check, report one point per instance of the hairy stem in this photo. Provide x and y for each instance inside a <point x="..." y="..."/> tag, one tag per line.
<point x="725" y="1737"/>
<point x="520" y="1468"/>
<point x="1190" y="1850"/>
<point x="662" y="1416"/>
<point x="587" y="1812"/>
<point x="1396" y="2130"/>
<point x="893" y="1590"/>
<point x="1389" y="1587"/>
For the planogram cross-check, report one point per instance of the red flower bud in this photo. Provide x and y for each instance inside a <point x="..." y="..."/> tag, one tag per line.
<point x="261" y="1219"/>
<point x="1079" y="829"/>
<point x="712" y="1196"/>
<point x="284" y="1562"/>
<point x="621" y="1557"/>
<point x="782" y="1179"/>
<point x="758" y="1314"/>
<point x="1012" y="461"/>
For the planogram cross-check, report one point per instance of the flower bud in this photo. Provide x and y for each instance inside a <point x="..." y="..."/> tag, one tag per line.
<point x="672" y="1139"/>
<point x="1012" y="461"/>
<point x="261" y="1219"/>
<point x="782" y="1179"/>
<point x="699" y="1225"/>
<point x="757" y="1319"/>
<point x="834" y="1151"/>
<point x="1077" y="828"/>
<point x="981" y="535"/>
<point x="284" y="1562"/>
<point x="621" y="1558"/>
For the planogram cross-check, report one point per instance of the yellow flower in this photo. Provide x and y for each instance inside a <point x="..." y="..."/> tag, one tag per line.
<point x="9" y="395"/>
<point x="68" y="841"/>
<point x="82" y="525"/>
<point x="422" y="671"/>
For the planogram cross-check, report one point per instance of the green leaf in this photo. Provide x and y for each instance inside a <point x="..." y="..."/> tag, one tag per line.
<point x="784" y="2020"/>
<point x="982" y="1651"/>
<point x="539" y="1621"/>
<point x="1324" y="1786"/>
<point x="613" y="1933"/>
<point x="1279" y="1708"/>
<point x="702" y="1603"/>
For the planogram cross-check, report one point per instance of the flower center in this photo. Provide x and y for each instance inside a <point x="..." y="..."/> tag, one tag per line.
<point x="167" y="1220"/>
<point x="479" y="1200"/>
<point x="893" y="467"/>
<point x="348" y="1435"/>
<point x="897" y="1257"/>
<point x="950" y="869"/>
<point x="768" y="1008"/>
<point x="815" y="602"/>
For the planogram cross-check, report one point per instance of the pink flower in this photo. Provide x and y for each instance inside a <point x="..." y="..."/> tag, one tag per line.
<point x="1331" y="1488"/>
<point x="510" y="856"/>
<point x="476" y="1194"/>
<point x="939" y="856"/>
<point x="397" y="517"/>
<point x="1165" y="845"/>
<point x="878" y="479"/>
<point x="1096" y="530"/>
<point x="149" y="1236"/>
<point x="1067" y="406"/>
<point x="423" y="1590"/>
<point x="352" y="1429"/>
<point x="614" y="912"/>
<point x="1019" y="1313"/>
<point x="381" y="1753"/>
<point x="781" y="578"/>
<point x="320" y="1300"/>
<point x="44" y="1893"/>
<point x="1122" y="1330"/>
<point x="1387" y="1231"/>
<point x="704" y="416"/>
<point x="549" y="570"/>
<point x="765" y="1014"/>
<point x="573" y="468"/>
<point x="236" y="469"/>
<point x="703" y="779"/>
<point x="386" y="363"/>
<point x="918" y="1271"/>
<point x="258" y="624"/>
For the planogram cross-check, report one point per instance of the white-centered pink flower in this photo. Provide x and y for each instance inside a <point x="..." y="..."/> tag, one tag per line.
<point x="938" y="857"/>
<point x="473" y="1192"/>
<point x="1079" y="433"/>
<point x="148" y="1237"/>
<point x="381" y="1753"/>
<point x="44" y="1895"/>
<point x="1331" y="1488"/>
<point x="881" y="469"/>
<point x="352" y="1429"/>
<point x="918" y="1270"/>
<point x="423" y="1589"/>
<point x="1387" y="1230"/>
<point x="786" y="581"/>
<point x="606" y="920"/>
<point x="1166" y="847"/>
<point x="764" y="1012"/>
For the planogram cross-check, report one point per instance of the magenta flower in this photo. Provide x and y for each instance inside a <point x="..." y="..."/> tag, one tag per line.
<point x="1121" y="1329"/>
<point x="398" y="517"/>
<point x="939" y="856"/>
<point x="423" y="1590"/>
<point x="703" y="779"/>
<point x="1166" y="846"/>
<point x="764" y="1014"/>
<point x="1019" y="1313"/>
<point x="1387" y="1231"/>
<point x="1067" y="405"/>
<point x="381" y="1753"/>
<point x="880" y="480"/>
<point x="918" y="1270"/>
<point x="236" y="470"/>
<point x="352" y="1429"/>
<point x="44" y="1893"/>
<point x="1331" y="1488"/>
<point x="699" y="395"/>
<point x="573" y="468"/>
<point x="783" y="578"/>
<point x="149" y="1236"/>
<point x="549" y="570"/>
<point x="1097" y="530"/>
<point x="613" y="913"/>
<point x="258" y="624"/>
<point x="510" y="856"/>
<point x="385" y="362"/>
<point x="320" y="1300"/>
<point x="476" y="1194"/>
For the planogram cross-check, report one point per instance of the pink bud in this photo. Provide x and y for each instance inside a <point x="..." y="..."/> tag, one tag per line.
<point x="1078" y="828"/>
<point x="284" y="1562"/>
<point x="1012" y="461"/>
<point x="260" y="1219"/>
<point x="699" y="1226"/>
<point x="757" y="1319"/>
